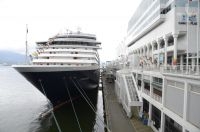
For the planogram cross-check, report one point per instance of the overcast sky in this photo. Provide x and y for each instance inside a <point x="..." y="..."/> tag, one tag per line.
<point x="107" y="19"/>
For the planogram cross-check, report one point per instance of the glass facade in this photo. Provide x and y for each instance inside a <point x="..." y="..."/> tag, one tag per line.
<point x="183" y="3"/>
<point x="144" y="5"/>
<point x="148" y="10"/>
<point x="145" y="22"/>
<point x="145" y="106"/>
<point x="146" y="13"/>
<point x="171" y="125"/>
<point x="156" y="117"/>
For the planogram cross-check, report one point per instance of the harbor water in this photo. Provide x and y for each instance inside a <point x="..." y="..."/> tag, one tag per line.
<point x="21" y="105"/>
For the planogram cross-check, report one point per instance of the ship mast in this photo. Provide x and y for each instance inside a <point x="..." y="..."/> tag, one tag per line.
<point x="26" y="59"/>
<point x="198" y="37"/>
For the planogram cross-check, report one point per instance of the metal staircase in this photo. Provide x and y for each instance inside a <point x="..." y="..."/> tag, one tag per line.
<point x="127" y="92"/>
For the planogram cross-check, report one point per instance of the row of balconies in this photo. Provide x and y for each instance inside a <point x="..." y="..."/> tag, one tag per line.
<point x="156" y="85"/>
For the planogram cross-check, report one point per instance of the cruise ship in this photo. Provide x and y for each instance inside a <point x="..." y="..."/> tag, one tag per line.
<point x="160" y="77"/>
<point x="66" y="62"/>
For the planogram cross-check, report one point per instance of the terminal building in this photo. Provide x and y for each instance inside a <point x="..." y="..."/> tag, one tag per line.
<point x="162" y="73"/>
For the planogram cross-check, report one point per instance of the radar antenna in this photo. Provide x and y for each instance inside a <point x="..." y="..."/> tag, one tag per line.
<point x="67" y="31"/>
<point x="78" y="29"/>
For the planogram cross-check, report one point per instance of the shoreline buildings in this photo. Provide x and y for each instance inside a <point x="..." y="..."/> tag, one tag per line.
<point x="161" y="76"/>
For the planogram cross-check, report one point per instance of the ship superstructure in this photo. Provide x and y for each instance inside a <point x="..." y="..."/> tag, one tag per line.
<point x="72" y="49"/>
<point x="162" y="77"/>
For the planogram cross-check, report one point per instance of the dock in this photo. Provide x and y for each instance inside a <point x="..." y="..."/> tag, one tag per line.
<point x="116" y="118"/>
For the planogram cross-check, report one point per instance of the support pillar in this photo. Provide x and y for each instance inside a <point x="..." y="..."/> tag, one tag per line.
<point x="193" y="62"/>
<point x="158" y="43"/>
<point x="162" y="122"/>
<point x="151" y="87"/>
<point x="185" y="103"/>
<point x="147" y="51"/>
<point x="152" y="45"/>
<point x="175" y="36"/>
<point x="150" y="114"/>
<point x="163" y="90"/>
<point x="181" y="63"/>
<point x="142" y="52"/>
<point x="181" y="60"/>
<point x="139" y="55"/>
<point x="139" y="52"/>
<point x="142" y="82"/>
<point x="166" y="44"/>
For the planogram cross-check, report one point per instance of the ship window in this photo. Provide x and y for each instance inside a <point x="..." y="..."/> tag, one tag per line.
<point x="75" y="57"/>
<point x="47" y="63"/>
<point x="61" y="63"/>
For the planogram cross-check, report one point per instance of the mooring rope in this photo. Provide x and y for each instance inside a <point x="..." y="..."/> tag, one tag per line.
<point x="90" y="105"/>
<point x="72" y="105"/>
<point x="85" y="94"/>
<point x="52" y="112"/>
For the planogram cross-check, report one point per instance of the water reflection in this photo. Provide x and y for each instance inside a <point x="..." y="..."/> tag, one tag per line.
<point x="87" y="118"/>
<point x="21" y="105"/>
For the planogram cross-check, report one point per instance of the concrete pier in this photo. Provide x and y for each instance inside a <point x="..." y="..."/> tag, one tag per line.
<point x="115" y="116"/>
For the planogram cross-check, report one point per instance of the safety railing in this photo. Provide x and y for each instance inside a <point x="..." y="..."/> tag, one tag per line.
<point x="176" y="69"/>
<point x="146" y="92"/>
<point x="182" y="69"/>
<point x="157" y="97"/>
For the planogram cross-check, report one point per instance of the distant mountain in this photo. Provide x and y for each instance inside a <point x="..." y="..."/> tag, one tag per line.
<point x="9" y="57"/>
